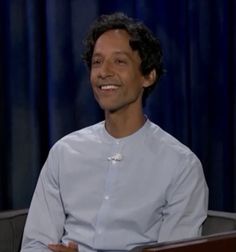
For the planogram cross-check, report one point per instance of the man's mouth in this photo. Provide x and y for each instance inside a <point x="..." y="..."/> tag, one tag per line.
<point x="108" y="87"/>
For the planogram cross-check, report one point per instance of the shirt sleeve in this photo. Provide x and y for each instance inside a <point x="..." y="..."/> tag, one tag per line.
<point x="46" y="217"/>
<point x="187" y="202"/>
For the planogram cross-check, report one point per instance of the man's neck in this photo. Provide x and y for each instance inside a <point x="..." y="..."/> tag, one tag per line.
<point x="122" y="125"/>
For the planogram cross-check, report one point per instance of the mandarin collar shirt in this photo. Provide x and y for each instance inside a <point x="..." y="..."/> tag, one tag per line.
<point x="109" y="194"/>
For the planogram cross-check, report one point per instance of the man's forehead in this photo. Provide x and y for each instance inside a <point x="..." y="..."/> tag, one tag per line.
<point x="114" y="34"/>
<point x="118" y="53"/>
<point x="113" y="39"/>
<point x="114" y="42"/>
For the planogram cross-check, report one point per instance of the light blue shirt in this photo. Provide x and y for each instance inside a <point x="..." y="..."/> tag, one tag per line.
<point x="114" y="194"/>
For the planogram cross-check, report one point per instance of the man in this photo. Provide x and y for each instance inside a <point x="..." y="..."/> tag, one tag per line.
<point x="123" y="182"/>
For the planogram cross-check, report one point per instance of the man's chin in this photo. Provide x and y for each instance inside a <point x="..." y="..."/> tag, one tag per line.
<point x="109" y="108"/>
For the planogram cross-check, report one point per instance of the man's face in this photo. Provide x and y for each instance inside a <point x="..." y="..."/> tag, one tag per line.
<point x="115" y="76"/>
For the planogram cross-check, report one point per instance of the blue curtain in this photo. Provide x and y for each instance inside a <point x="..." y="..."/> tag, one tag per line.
<point x="45" y="91"/>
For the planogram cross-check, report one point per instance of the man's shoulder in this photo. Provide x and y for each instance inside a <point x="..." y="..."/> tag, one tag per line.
<point x="174" y="155"/>
<point x="164" y="140"/>
<point x="88" y="134"/>
<point x="86" y="131"/>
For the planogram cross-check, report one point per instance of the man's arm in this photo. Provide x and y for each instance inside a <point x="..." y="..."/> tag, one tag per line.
<point x="46" y="217"/>
<point x="187" y="203"/>
<point x="71" y="247"/>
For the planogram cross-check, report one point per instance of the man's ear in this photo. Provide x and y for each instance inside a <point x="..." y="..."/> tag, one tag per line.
<point x="150" y="78"/>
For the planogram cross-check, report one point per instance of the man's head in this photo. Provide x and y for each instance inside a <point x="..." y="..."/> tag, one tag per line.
<point x="141" y="40"/>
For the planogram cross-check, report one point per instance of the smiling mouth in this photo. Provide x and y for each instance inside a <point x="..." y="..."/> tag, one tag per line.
<point x="108" y="87"/>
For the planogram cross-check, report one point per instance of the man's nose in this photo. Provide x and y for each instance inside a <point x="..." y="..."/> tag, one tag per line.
<point x="106" y="70"/>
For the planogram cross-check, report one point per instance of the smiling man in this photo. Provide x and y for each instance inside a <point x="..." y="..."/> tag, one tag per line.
<point x="118" y="83"/>
<point x="123" y="182"/>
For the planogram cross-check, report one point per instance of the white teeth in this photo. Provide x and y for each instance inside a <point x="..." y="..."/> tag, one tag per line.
<point x="106" y="87"/>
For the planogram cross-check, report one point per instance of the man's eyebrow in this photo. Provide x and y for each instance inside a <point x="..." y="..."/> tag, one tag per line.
<point x="98" y="54"/>
<point x="122" y="53"/>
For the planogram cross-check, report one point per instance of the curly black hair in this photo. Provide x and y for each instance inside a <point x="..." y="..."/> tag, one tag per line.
<point x="141" y="40"/>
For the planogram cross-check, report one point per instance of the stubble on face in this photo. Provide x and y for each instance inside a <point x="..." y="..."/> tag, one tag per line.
<point x="116" y="78"/>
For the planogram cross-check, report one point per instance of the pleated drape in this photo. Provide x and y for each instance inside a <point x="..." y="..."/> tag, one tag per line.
<point x="45" y="91"/>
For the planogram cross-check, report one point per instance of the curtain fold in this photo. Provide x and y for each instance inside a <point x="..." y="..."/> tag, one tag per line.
<point x="45" y="91"/>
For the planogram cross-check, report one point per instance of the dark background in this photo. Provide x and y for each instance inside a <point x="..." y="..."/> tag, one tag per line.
<point x="45" y="91"/>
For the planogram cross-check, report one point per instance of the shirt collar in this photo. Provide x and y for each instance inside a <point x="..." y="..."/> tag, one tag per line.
<point x="139" y="133"/>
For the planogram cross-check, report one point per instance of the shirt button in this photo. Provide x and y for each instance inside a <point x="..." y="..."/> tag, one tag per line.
<point x="107" y="197"/>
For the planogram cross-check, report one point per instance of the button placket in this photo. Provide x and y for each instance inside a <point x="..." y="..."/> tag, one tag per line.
<point x="103" y="214"/>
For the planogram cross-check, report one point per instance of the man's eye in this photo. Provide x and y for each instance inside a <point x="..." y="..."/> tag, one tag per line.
<point x="120" y="61"/>
<point x="96" y="62"/>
